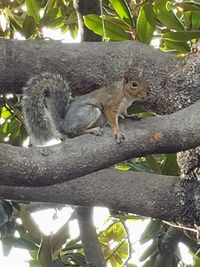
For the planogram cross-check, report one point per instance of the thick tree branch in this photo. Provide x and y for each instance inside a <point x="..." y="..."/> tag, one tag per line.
<point x="88" y="153"/>
<point x="158" y="196"/>
<point x="174" y="83"/>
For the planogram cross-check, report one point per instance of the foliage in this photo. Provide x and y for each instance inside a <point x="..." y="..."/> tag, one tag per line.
<point x="173" y="26"/>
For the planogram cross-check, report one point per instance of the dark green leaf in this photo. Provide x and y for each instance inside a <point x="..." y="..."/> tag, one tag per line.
<point x="50" y="4"/>
<point x="181" y="36"/>
<point x="187" y="18"/>
<point x="181" y="47"/>
<point x="33" y="9"/>
<point x="145" y="24"/>
<point x="155" y="166"/>
<point x="29" y="26"/>
<point x="113" y="32"/>
<point x="161" y="3"/>
<point x="169" y="19"/>
<point x="122" y="10"/>
<point x="56" y="24"/>
<point x="50" y="17"/>
<point x="195" y="20"/>
<point x="118" y="22"/>
<point x="170" y="167"/>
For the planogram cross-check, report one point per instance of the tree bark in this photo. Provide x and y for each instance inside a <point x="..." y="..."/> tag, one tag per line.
<point x="157" y="196"/>
<point x="85" y="154"/>
<point x="174" y="83"/>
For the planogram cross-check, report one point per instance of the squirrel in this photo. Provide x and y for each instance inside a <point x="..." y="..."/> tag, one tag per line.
<point x="49" y="114"/>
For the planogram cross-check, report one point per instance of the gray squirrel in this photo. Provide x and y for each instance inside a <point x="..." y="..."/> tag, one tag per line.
<point x="48" y="113"/>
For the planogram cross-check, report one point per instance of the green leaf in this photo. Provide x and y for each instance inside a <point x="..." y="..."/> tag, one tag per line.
<point x="170" y="167"/>
<point x="181" y="47"/>
<point x="29" y="26"/>
<point x="181" y="36"/>
<point x="196" y="262"/>
<point x="57" y="24"/>
<point x="169" y="19"/>
<point x="50" y="17"/>
<point x="94" y="23"/>
<point x="161" y="3"/>
<point x="188" y="6"/>
<point x="155" y="166"/>
<point x="118" y="22"/>
<point x="187" y="18"/>
<point x="146" y="24"/>
<point x="33" y="9"/>
<point x="49" y="6"/>
<point x="195" y="20"/>
<point x="123" y="11"/>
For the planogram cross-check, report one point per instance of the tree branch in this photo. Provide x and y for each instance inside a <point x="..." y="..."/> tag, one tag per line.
<point x="91" y="246"/>
<point x="157" y="196"/>
<point x="174" y="83"/>
<point x="88" y="153"/>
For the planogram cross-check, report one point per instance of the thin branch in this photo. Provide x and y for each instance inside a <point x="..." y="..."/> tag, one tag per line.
<point x="91" y="246"/>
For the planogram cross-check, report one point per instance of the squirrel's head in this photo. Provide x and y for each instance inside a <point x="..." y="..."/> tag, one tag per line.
<point x="134" y="88"/>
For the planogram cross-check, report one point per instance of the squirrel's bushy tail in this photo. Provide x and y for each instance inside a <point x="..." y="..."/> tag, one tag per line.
<point x="45" y="100"/>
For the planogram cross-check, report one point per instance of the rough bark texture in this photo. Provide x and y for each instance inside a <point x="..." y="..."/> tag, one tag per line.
<point x="157" y="196"/>
<point x="56" y="164"/>
<point x="174" y="83"/>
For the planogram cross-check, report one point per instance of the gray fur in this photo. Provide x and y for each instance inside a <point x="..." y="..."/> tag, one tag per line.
<point x="45" y="101"/>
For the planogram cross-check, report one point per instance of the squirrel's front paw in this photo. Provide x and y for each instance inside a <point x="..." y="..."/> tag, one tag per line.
<point x="119" y="138"/>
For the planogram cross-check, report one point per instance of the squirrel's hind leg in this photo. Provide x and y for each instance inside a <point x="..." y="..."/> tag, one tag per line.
<point x="82" y="120"/>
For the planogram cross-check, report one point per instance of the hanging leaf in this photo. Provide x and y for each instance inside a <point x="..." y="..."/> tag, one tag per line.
<point x="169" y="19"/>
<point x="155" y="166"/>
<point x="181" y="47"/>
<point x="195" y="20"/>
<point x="170" y="166"/>
<point x="123" y="11"/>
<point x="181" y="36"/>
<point x="113" y="32"/>
<point x="29" y="26"/>
<point x="146" y="24"/>
<point x="33" y="9"/>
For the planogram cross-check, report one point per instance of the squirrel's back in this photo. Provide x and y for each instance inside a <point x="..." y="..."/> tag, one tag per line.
<point x="45" y="100"/>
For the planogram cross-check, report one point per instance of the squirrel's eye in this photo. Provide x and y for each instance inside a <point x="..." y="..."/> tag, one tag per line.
<point x="134" y="84"/>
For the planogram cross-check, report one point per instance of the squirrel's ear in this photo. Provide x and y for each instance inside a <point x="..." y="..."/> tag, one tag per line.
<point x="127" y="77"/>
